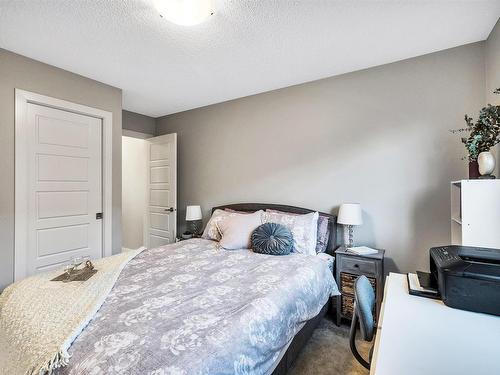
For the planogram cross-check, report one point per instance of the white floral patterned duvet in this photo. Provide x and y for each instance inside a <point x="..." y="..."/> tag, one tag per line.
<point x="192" y="309"/>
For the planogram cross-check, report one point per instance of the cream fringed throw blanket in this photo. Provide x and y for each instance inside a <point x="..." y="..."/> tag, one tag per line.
<point x="39" y="318"/>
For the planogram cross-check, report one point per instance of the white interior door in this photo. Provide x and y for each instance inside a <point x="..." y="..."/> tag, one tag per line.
<point x="161" y="216"/>
<point x="64" y="178"/>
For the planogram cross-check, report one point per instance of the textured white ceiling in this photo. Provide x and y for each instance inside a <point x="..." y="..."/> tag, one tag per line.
<point x="247" y="47"/>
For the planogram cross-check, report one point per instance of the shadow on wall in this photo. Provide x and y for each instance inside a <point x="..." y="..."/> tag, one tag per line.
<point x="425" y="232"/>
<point x="365" y="238"/>
<point x="370" y="239"/>
<point x="361" y="237"/>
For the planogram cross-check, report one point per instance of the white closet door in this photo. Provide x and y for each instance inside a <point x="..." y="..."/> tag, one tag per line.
<point x="162" y="190"/>
<point x="64" y="187"/>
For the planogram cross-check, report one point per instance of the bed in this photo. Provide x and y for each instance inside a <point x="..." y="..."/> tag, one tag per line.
<point x="302" y="336"/>
<point x="193" y="308"/>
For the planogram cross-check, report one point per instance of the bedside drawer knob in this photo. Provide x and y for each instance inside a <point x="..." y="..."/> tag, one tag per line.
<point x="356" y="265"/>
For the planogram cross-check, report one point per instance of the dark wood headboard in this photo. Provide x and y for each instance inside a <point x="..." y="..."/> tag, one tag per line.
<point x="252" y="207"/>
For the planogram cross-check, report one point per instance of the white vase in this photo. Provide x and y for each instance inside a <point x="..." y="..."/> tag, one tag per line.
<point x="486" y="162"/>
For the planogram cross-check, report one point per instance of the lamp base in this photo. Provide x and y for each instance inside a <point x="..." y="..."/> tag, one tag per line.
<point x="194" y="227"/>
<point x="348" y="235"/>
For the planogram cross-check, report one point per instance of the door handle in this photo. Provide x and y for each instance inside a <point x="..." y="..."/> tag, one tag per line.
<point x="171" y="209"/>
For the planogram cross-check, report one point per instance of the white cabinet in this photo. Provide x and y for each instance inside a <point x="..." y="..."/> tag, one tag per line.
<point x="475" y="213"/>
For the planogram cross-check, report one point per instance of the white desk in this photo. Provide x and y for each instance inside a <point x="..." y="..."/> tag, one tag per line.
<point x="422" y="336"/>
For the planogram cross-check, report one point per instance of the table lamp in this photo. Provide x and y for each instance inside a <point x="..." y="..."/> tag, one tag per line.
<point x="349" y="215"/>
<point x="193" y="219"/>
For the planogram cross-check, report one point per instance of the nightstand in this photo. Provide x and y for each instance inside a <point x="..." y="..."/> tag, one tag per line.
<point x="348" y="266"/>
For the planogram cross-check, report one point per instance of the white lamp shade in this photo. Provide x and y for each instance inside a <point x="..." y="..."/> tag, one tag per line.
<point x="193" y="213"/>
<point x="350" y="214"/>
<point x="185" y="12"/>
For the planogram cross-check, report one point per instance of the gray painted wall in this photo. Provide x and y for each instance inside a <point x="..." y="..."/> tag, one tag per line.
<point x="493" y="73"/>
<point x="138" y="123"/>
<point x="378" y="136"/>
<point x="493" y="65"/>
<point x="20" y="72"/>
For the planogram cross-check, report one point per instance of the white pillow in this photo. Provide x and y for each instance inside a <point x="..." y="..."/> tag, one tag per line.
<point x="304" y="229"/>
<point x="211" y="232"/>
<point x="237" y="230"/>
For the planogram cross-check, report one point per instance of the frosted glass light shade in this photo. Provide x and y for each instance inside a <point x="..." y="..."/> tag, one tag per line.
<point x="185" y="12"/>
<point x="193" y="213"/>
<point x="350" y="214"/>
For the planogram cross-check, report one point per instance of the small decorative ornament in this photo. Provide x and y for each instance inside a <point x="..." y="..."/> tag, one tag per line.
<point x="486" y="162"/>
<point x="72" y="272"/>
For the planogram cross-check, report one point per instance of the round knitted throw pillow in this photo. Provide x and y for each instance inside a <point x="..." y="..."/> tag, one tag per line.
<point x="272" y="239"/>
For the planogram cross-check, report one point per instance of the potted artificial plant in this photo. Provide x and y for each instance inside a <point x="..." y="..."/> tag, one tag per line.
<point x="482" y="136"/>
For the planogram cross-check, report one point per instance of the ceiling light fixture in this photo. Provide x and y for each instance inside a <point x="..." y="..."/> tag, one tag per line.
<point x="185" y="12"/>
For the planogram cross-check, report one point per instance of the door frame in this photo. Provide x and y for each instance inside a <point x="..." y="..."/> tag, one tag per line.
<point x="23" y="98"/>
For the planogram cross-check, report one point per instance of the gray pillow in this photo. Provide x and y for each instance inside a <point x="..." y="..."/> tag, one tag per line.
<point x="272" y="239"/>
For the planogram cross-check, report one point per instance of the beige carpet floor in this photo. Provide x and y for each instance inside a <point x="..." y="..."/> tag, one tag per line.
<point x="328" y="353"/>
